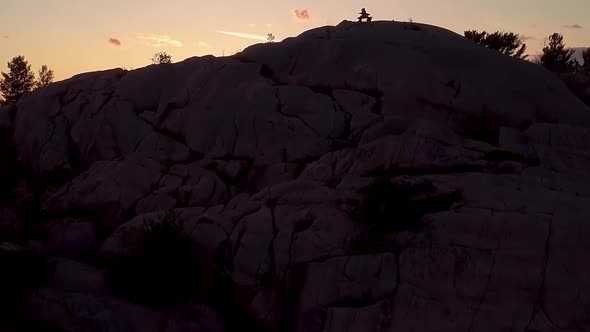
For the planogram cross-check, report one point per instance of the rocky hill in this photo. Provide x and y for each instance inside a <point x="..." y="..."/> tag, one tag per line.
<point x="364" y="177"/>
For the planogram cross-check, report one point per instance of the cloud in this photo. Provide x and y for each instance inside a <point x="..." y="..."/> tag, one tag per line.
<point x="301" y="14"/>
<point x="524" y="38"/>
<point x="204" y="44"/>
<point x="4" y="36"/>
<point x="573" y="26"/>
<point x="159" y="40"/>
<point x="115" y="41"/>
<point x="243" y="35"/>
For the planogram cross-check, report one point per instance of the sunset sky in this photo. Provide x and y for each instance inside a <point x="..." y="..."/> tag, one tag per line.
<point x="74" y="36"/>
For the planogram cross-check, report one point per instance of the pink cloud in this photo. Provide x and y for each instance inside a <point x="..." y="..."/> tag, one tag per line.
<point x="302" y="14"/>
<point x="115" y="41"/>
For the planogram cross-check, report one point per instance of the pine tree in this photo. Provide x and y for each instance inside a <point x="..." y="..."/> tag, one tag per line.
<point x="477" y="37"/>
<point x="45" y="77"/>
<point x="19" y="80"/>
<point x="556" y="57"/>
<point x="508" y="43"/>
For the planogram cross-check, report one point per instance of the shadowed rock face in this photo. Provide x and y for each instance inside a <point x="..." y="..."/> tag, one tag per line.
<point x="579" y="83"/>
<point x="362" y="177"/>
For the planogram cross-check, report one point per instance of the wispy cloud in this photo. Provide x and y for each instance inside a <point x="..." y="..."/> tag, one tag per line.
<point x="159" y="40"/>
<point x="4" y="36"/>
<point x="301" y="14"/>
<point x="204" y="44"/>
<point x="244" y="35"/>
<point x="115" y="41"/>
<point x="524" y="38"/>
<point x="573" y="26"/>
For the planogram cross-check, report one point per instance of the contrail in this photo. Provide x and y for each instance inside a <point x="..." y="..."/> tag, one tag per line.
<point x="244" y="35"/>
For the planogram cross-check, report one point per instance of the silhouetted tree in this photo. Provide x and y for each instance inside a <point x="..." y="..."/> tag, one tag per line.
<point x="508" y="43"/>
<point x="45" y="77"/>
<point x="270" y="38"/>
<point x="161" y="58"/>
<point x="586" y="60"/>
<point x="477" y="37"/>
<point x="18" y="80"/>
<point x="556" y="57"/>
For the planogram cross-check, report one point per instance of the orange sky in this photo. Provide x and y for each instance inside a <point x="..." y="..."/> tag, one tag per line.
<point x="73" y="36"/>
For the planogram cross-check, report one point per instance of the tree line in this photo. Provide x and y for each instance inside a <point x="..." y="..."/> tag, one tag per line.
<point x="554" y="56"/>
<point x="21" y="79"/>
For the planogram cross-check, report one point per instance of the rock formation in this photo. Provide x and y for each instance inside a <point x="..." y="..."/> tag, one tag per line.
<point x="579" y="83"/>
<point x="362" y="177"/>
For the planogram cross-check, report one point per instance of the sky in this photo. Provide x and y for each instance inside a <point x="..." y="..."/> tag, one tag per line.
<point x="75" y="36"/>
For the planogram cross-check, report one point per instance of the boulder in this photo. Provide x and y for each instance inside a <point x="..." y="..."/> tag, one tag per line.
<point x="71" y="276"/>
<point x="72" y="238"/>
<point x="70" y="311"/>
<point x="427" y="73"/>
<point x="43" y="123"/>
<point x="108" y="190"/>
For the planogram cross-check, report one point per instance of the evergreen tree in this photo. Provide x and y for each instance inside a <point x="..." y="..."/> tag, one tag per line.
<point x="19" y="80"/>
<point x="477" y="37"/>
<point x="506" y="42"/>
<point x="556" y="57"/>
<point x="45" y="77"/>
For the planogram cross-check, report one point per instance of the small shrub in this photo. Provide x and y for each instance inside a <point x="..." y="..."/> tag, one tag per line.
<point x="162" y="272"/>
<point x="161" y="58"/>
<point x="388" y="207"/>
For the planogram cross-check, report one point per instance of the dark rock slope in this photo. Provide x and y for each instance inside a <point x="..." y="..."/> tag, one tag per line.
<point x="364" y="177"/>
